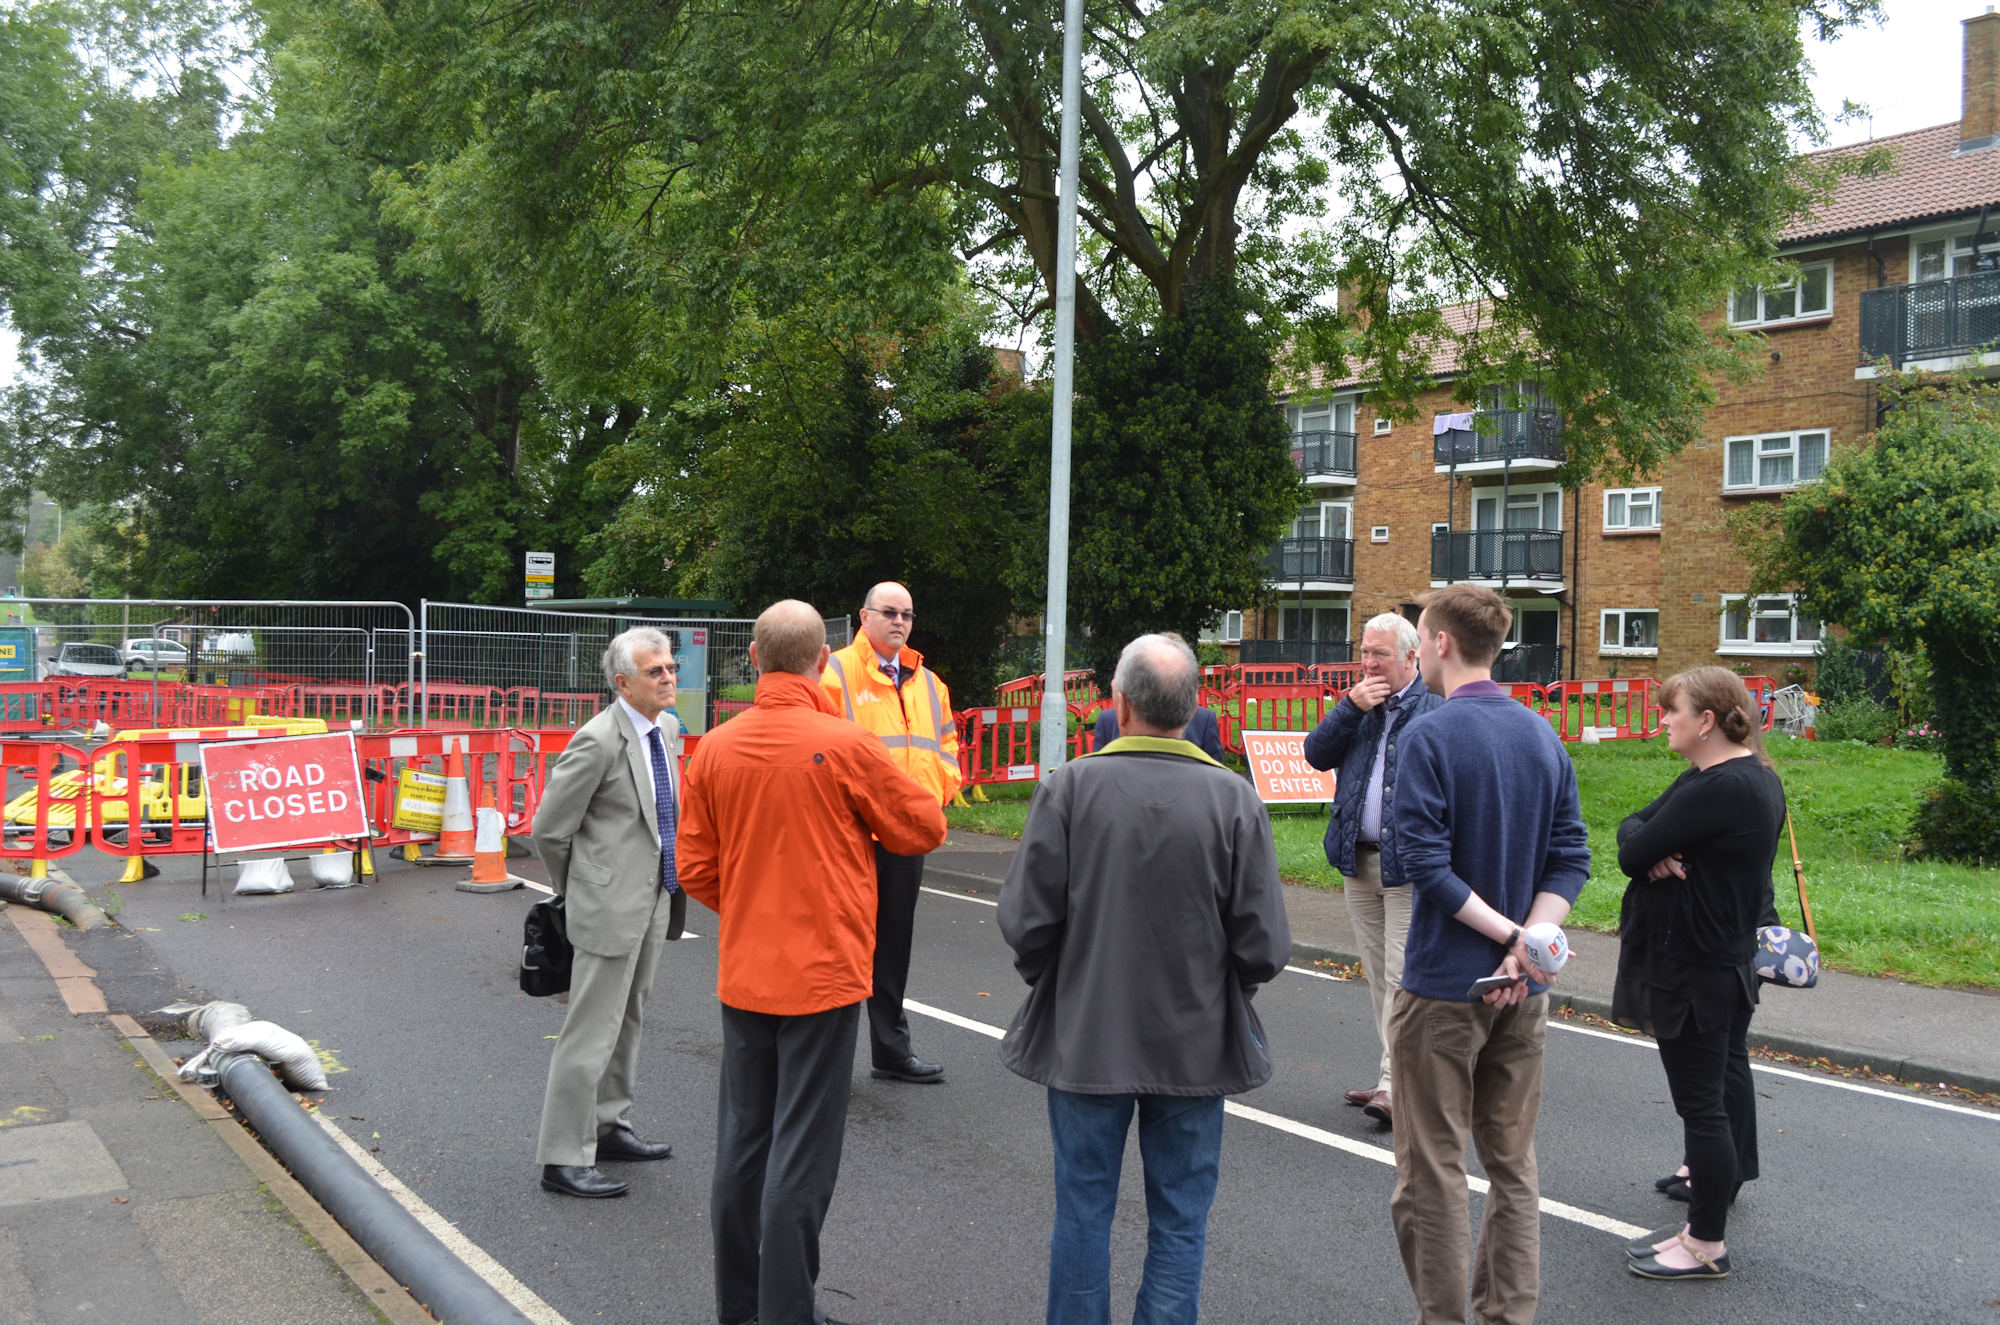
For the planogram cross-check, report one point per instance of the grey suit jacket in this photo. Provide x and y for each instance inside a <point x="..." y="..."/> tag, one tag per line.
<point x="597" y="831"/>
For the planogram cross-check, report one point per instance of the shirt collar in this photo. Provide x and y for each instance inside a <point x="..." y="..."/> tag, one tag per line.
<point x="1479" y="690"/>
<point x="1402" y="697"/>
<point x="638" y="720"/>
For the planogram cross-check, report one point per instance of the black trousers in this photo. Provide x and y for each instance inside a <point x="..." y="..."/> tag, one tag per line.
<point x="1698" y="1066"/>
<point x="1739" y="1096"/>
<point x="779" y="1127"/>
<point x="898" y="879"/>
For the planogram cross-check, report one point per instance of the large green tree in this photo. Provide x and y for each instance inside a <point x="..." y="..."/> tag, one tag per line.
<point x="826" y="466"/>
<point x="648" y="184"/>
<point x="228" y="343"/>
<point x="1901" y="541"/>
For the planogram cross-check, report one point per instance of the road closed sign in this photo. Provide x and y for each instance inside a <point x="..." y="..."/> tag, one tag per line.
<point x="283" y="792"/>
<point x="1278" y="766"/>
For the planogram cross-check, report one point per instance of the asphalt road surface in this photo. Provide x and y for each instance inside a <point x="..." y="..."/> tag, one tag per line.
<point x="1872" y="1206"/>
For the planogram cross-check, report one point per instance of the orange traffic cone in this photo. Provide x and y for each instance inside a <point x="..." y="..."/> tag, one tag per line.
<point x="489" y="852"/>
<point x="456" y="841"/>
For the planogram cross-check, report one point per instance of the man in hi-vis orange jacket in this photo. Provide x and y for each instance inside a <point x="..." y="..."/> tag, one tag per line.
<point x="882" y="684"/>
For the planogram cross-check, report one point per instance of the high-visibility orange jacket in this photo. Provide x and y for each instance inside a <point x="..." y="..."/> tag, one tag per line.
<point x="777" y="806"/>
<point x="913" y="720"/>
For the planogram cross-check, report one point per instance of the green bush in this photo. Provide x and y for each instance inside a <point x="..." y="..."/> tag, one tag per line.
<point x="1955" y="823"/>
<point x="1842" y="673"/>
<point x="1854" y="720"/>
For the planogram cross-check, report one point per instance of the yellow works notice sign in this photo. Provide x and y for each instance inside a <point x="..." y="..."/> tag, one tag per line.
<point x="419" y="802"/>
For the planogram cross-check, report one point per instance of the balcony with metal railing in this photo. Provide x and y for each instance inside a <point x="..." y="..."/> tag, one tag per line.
<point x="1515" y="439"/>
<point x="1931" y="320"/>
<point x="1312" y="563"/>
<point x="1324" y="457"/>
<point x="1498" y="557"/>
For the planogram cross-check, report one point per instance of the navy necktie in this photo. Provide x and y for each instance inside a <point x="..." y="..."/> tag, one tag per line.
<point x="663" y="801"/>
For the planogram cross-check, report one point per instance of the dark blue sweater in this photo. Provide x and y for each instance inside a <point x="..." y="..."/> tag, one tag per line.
<point x="1485" y="802"/>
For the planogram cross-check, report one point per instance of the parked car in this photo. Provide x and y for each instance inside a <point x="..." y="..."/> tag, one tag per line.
<point x="100" y="660"/>
<point x="155" y="655"/>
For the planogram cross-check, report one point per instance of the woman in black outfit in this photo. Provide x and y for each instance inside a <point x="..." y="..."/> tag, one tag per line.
<point x="1699" y="859"/>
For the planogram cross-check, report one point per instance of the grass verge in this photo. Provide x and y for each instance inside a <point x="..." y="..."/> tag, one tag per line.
<point x="1877" y="914"/>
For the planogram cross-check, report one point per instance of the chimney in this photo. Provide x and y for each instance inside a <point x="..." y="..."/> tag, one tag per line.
<point x="1979" y="117"/>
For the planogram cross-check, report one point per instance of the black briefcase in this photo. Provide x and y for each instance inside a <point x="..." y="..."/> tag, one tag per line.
<point x="545" y="950"/>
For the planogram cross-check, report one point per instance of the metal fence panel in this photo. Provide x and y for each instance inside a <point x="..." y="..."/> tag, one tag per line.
<point x="544" y="669"/>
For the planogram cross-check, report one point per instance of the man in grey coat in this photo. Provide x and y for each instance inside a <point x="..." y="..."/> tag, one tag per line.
<point x="605" y="829"/>
<point x="1144" y="909"/>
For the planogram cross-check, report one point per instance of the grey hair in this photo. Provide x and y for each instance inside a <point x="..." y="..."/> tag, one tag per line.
<point x="618" y="657"/>
<point x="1398" y="626"/>
<point x="1159" y="677"/>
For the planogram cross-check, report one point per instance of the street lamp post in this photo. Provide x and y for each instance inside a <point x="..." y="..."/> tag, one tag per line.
<point x="1055" y="707"/>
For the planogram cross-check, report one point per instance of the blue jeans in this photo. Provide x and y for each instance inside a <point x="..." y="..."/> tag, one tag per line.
<point x="1180" y="1144"/>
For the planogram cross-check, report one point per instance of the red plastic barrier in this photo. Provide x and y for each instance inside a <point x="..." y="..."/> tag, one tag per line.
<point x="1077" y="689"/>
<point x="1761" y="689"/>
<point x="339" y="703"/>
<point x="998" y="745"/>
<point x="27" y="706"/>
<point x="1617" y="710"/>
<point x="131" y="775"/>
<point x="34" y="765"/>
<point x="1294" y="707"/>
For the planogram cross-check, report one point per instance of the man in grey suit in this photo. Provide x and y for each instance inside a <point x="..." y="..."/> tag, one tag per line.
<point x="605" y="829"/>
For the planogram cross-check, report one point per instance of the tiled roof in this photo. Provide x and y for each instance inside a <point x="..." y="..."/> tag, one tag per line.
<point x="1443" y="351"/>
<point x="1928" y="178"/>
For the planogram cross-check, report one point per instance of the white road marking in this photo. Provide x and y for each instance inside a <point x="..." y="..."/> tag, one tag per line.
<point x="962" y="897"/>
<point x="446" y="1232"/>
<point x="1305" y="1131"/>
<point x="1641" y="1040"/>
<point x="1790" y="1074"/>
<point x="544" y="888"/>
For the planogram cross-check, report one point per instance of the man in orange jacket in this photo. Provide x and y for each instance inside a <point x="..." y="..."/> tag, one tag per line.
<point x="882" y="684"/>
<point x="779" y="804"/>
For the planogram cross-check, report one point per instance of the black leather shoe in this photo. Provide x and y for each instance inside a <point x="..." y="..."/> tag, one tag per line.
<point x="912" y="1068"/>
<point x="621" y="1143"/>
<point x="580" y="1180"/>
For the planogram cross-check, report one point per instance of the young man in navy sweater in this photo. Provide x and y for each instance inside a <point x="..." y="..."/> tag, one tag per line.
<point x="1490" y="837"/>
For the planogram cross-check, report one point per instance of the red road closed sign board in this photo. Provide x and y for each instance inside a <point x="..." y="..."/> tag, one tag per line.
<point x="1278" y="766"/>
<point x="283" y="792"/>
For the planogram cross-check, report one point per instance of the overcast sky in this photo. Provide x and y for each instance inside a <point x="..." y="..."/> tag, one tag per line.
<point x="1906" y="71"/>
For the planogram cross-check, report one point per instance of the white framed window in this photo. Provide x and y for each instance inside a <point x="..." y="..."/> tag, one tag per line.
<point x="1810" y="294"/>
<point x="1631" y="508"/>
<point x="1768" y="623"/>
<point x="1537" y="507"/>
<point x="1536" y="626"/>
<point x="1936" y="257"/>
<point x="1322" y="624"/>
<point x="1630" y="631"/>
<point x="1322" y="416"/>
<point x="1382" y="424"/>
<point x="1378" y="533"/>
<point x="1326" y="519"/>
<point x="1227" y="628"/>
<point x="1773" y="460"/>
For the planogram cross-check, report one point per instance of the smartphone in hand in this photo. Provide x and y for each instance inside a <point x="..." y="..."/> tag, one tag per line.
<point x="1486" y="984"/>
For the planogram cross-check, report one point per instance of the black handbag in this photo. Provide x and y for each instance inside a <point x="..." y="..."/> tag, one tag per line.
<point x="545" y="950"/>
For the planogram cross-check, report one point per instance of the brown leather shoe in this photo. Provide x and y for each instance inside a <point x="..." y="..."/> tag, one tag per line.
<point x="1380" y="1109"/>
<point x="1360" y="1097"/>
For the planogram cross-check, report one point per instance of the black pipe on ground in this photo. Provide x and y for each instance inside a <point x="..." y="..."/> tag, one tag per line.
<point x="405" y="1248"/>
<point x="52" y="895"/>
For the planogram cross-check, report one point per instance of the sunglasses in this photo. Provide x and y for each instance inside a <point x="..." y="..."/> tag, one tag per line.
<point x="893" y="613"/>
<point x="662" y="671"/>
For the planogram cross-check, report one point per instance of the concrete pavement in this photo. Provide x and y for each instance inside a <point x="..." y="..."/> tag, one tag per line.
<point x="1910" y="1032"/>
<point x="126" y="1197"/>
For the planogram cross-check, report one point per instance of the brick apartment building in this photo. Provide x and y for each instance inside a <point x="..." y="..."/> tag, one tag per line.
<point x="1644" y="581"/>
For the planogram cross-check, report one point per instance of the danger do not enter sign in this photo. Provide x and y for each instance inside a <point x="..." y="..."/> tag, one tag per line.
<point x="1278" y="766"/>
<point x="283" y="792"/>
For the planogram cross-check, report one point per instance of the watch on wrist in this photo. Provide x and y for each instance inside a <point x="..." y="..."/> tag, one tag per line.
<point x="1513" y="938"/>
